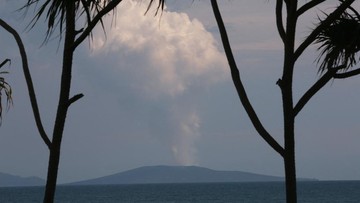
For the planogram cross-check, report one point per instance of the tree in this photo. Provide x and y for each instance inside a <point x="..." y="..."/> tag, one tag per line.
<point x="62" y="14"/>
<point x="338" y="36"/>
<point x="4" y="87"/>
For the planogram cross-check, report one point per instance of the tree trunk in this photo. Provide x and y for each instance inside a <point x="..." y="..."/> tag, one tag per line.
<point x="286" y="86"/>
<point x="290" y="177"/>
<point x="289" y="135"/>
<point x="289" y="163"/>
<point x="52" y="176"/>
<point x="63" y="104"/>
<point x="289" y="156"/>
<point x="289" y="131"/>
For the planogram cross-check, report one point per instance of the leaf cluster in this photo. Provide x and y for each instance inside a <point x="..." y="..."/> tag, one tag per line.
<point x="340" y="42"/>
<point x="160" y="6"/>
<point x="55" y="12"/>
<point x="4" y="87"/>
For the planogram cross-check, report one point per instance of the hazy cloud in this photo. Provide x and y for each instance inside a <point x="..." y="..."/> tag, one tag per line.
<point x="184" y="146"/>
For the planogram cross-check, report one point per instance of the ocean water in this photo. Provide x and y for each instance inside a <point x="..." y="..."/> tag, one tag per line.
<point x="270" y="192"/>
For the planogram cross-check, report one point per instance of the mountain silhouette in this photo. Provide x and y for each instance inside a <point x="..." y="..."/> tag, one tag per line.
<point x="177" y="174"/>
<point x="7" y="180"/>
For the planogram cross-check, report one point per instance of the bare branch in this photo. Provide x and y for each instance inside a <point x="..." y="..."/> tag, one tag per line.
<point x="239" y="86"/>
<point x="315" y="88"/>
<point x="4" y="62"/>
<point x="29" y="82"/>
<point x="347" y="74"/>
<point x="308" y="6"/>
<point x="279" y="20"/>
<point x="74" y="98"/>
<point x="330" y="18"/>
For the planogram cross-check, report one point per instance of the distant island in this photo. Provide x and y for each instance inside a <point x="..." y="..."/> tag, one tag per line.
<point x="154" y="175"/>
<point x="177" y="174"/>
<point x="7" y="180"/>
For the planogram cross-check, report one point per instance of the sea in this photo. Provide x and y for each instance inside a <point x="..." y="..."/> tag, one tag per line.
<point x="263" y="192"/>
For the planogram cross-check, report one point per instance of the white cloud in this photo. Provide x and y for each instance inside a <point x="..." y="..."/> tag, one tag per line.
<point x="172" y="51"/>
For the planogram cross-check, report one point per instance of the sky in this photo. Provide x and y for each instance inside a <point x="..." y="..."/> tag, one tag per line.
<point x="158" y="92"/>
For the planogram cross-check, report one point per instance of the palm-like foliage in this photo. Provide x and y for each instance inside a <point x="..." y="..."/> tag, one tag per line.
<point x="4" y="87"/>
<point x="340" y="42"/>
<point x="160" y="6"/>
<point x="55" y="11"/>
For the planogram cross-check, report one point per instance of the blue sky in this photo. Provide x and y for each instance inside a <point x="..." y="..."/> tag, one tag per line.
<point x="158" y="92"/>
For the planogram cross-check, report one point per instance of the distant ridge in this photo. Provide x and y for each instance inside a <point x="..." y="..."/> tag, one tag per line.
<point x="177" y="174"/>
<point x="7" y="180"/>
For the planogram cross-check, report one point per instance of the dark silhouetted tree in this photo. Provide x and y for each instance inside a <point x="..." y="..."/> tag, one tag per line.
<point x="339" y="37"/>
<point x="61" y="14"/>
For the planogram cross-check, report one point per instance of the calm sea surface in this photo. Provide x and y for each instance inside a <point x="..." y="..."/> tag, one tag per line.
<point x="271" y="192"/>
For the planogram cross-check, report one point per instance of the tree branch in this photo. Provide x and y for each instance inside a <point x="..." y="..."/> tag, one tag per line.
<point x="315" y="88"/>
<point x="29" y="82"/>
<point x="239" y="86"/>
<point x="109" y="7"/>
<point x="311" y="4"/>
<point x="347" y="74"/>
<point x="279" y="20"/>
<point x="74" y="98"/>
<point x="330" y="18"/>
<point x="4" y="62"/>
